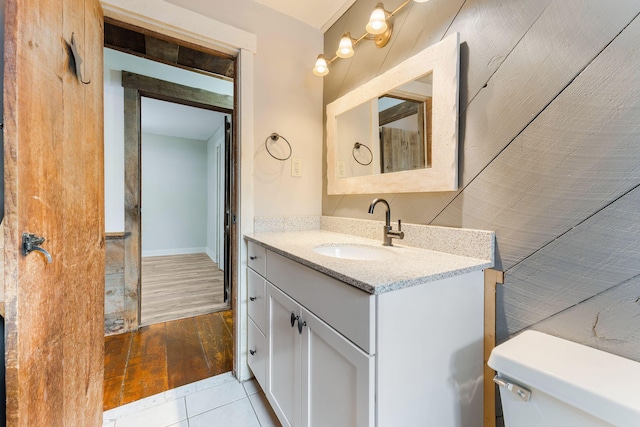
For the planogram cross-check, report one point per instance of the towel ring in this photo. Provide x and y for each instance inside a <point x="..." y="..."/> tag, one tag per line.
<point x="357" y="146"/>
<point x="274" y="137"/>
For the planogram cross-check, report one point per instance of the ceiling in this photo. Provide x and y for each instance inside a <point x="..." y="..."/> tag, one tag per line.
<point x="320" y="14"/>
<point x="164" y="118"/>
<point x="181" y="121"/>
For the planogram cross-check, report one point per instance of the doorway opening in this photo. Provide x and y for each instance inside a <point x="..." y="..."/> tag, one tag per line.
<point x="183" y="194"/>
<point x="178" y="203"/>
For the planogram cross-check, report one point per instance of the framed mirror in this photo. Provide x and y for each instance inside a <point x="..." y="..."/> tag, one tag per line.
<point x="398" y="133"/>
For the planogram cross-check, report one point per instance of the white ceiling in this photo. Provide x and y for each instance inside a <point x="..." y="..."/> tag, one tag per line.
<point x="181" y="121"/>
<point x="320" y="14"/>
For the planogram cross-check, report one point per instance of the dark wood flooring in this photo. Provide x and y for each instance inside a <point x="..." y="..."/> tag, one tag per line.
<point x="164" y="356"/>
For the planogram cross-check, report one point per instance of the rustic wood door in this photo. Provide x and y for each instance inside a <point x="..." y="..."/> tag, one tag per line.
<point x="53" y="142"/>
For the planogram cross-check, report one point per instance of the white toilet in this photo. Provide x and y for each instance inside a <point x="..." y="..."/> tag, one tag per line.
<point x="547" y="381"/>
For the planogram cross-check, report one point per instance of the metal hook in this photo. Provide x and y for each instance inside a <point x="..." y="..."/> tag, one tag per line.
<point x="77" y="60"/>
<point x="31" y="242"/>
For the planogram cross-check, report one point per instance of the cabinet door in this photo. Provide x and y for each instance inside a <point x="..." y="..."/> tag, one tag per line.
<point x="283" y="371"/>
<point x="338" y="378"/>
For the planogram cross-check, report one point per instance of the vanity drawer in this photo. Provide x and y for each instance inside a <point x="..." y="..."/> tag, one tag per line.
<point x="256" y="301"/>
<point x="257" y="353"/>
<point x="348" y="310"/>
<point x="256" y="258"/>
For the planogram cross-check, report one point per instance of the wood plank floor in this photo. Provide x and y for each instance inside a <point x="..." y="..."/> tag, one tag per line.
<point x="180" y="286"/>
<point x="166" y="355"/>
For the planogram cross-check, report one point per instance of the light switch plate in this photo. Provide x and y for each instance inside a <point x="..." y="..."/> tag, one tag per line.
<point x="296" y="167"/>
<point x="340" y="168"/>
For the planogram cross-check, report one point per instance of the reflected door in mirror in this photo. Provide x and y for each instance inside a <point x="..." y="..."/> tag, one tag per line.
<point x="405" y="134"/>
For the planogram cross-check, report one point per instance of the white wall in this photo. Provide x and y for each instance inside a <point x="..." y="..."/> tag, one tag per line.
<point x="174" y="195"/>
<point x="288" y="100"/>
<point x="360" y="124"/>
<point x="114" y="63"/>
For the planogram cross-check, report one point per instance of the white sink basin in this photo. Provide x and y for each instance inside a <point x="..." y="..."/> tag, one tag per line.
<point x="355" y="252"/>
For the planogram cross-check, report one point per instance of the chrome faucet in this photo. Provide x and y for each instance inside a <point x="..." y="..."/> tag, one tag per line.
<point x="388" y="233"/>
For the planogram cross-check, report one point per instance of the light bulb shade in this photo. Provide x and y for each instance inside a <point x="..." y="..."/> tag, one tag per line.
<point x="378" y="22"/>
<point x="345" y="48"/>
<point x="321" y="68"/>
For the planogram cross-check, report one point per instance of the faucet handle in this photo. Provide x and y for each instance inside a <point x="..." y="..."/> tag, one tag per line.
<point x="398" y="234"/>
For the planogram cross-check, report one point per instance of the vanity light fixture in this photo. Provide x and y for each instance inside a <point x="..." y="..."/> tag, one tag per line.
<point x="378" y="29"/>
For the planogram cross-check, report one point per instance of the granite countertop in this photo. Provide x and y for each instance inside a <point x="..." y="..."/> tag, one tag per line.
<point x="409" y="267"/>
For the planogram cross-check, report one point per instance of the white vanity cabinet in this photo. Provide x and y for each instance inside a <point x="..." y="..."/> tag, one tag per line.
<point x="340" y="356"/>
<point x="314" y="375"/>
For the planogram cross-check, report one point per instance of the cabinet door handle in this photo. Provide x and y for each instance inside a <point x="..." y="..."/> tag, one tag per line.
<point x="252" y="298"/>
<point x="293" y="318"/>
<point x="301" y="324"/>
<point x="253" y="257"/>
<point x="253" y="352"/>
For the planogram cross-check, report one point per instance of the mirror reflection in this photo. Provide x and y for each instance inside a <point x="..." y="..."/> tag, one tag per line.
<point x="390" y="133"/>
<point x="425" y="155"/>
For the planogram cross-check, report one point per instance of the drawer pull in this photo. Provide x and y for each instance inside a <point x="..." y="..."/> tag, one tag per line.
<point x="293" y="318"/>
<point x="253" y="257"/>
<point x="253" y="298"/>
<point x="301" y="324"/>
<point x="253" y="352"/>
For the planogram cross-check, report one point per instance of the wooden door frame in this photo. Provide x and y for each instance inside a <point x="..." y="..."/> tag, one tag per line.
<point x="135" y="87"/>
<point x="184" y="25"/>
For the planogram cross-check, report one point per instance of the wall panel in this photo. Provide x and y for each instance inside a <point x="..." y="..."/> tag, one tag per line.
<point x="548" y="137"/>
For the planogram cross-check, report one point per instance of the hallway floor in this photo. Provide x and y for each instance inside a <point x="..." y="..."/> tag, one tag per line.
<point x="165" y="356"/>
<point x="180" y="286"/>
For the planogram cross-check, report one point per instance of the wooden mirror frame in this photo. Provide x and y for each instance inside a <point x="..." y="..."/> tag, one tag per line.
<point x="441" y="59"/>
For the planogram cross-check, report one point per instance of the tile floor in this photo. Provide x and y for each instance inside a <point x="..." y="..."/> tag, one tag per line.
<point x="215" y="401"/>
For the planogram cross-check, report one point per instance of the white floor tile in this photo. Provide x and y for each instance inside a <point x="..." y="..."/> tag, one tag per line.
<point x="176" y="393"/>
<point x="251" y="387"/>
<point x="214" y="397"/>
<point x="265" y="414"/>
<point x="135" y="407"/>
<point x="163" y="415"/>
<point x="220" y="400"/>
<point x="215" y="381"/>
<point x="237" y="414"/>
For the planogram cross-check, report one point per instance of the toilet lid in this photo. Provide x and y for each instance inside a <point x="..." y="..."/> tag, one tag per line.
<point x="599" y="383"/>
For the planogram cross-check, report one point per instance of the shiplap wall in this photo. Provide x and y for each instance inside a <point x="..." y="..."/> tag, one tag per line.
<point x="549" y="153"/>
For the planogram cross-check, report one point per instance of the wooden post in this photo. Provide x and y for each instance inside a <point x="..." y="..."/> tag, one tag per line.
<point x="491" y="278"/>
<point x="2" y="268"/>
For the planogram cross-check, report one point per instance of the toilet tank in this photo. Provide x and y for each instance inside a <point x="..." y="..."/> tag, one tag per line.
<point x="570" y="384"/>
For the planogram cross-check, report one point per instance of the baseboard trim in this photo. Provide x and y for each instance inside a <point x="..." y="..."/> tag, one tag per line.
<point x="176" y="251"/>
<point x="212" y="255"/>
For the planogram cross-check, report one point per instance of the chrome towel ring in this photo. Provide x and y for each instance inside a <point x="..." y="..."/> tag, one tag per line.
<point x="357" y="146"/>
<point x="275" y="137"/>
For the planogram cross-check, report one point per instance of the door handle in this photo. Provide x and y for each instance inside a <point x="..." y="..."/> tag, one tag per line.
<point x="31" y="242"/>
